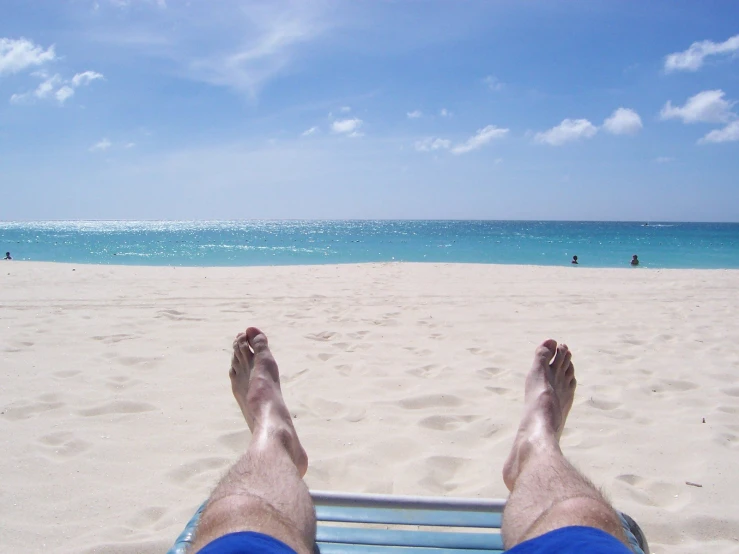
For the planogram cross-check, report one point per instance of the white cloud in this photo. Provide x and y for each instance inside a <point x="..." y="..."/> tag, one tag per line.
<point x="708" y="106"/>
<point x="56" y="87"/>
<point x="445" y="113"/>
<point x="85" y="78"/>
<point x="624" y="121"/>
<point x="101" y="146"/>
<point x="64" y="93"/>
<point x="481" y="138"/>
<point x="692" y="58"/>
<point x="46" y="88"/>
<point x="347" y="126"/>
<point x="567" y="131"/>
<point x="415" y="114"/>
<point x="730" y="133"/>
<point x="493" y="83"/>
<point x="664" y="159"/>
<point x="309" y="132"/>
<point x="20" y="54"/>
<point x="345" y="109"/>
<point x="431" y="143"/>
<point x="129" y="145"/>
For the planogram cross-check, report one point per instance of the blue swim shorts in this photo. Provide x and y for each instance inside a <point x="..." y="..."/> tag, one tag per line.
<point x="246" y="542"/>
<point x="568" y="540"/>
<point x="572" y="540"/>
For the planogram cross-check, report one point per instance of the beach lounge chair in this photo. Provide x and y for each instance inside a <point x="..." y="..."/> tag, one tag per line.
<point x="389" y="524"/>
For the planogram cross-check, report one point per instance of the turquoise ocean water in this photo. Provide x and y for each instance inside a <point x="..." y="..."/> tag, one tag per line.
<point x="240" y="243"/>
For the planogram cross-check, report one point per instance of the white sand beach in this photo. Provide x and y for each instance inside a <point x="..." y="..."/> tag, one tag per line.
<point x="117" y="417"/>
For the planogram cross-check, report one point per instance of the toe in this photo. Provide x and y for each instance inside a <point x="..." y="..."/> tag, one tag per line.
<point x="570" y="375"/>
<point x="242" y="355"/>
<point x="545" y="351"/>
<point x="570" y="370"/>
<point x="559" y="357"/>
<point x="567" y="362"/>
<point x="257" y="339"/>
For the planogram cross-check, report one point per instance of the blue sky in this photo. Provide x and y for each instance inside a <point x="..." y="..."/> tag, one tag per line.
<point x="166" y="109"/>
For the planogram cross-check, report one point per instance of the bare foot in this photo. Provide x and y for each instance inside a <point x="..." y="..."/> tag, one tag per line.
<point x="549" y="392"/>
<point x="255" y="382"/>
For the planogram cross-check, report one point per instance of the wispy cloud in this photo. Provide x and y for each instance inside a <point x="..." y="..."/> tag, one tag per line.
<point x="415" y="114"/>
<point x="692" y="59"/>
<point x="101" y="146"/>
<point x="85" y="78"/>
<point x="267" y="38"/>
<point x="429" y="144"/>
<point x="348" y="127"/>
<point x="708" y="106"/>
<point x="445" y="113"/>
<point x="730" y="133"/>
<point x="493" y="83"/>
<point x="55" y="86"/>
<point x="623" y="121"/>
<point x="664" y="159"/>
<point x="19" y="54"/>
<point x="123" y="4"/>
<point x="308" y="132"/>
<point x="480" y="139"/>
<point x="567" y="131"/>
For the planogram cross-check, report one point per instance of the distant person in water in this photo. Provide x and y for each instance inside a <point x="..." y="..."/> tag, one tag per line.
<point x="8" y="256"/>
<point x="634" y="260"/>
<point x="574" y="260"/>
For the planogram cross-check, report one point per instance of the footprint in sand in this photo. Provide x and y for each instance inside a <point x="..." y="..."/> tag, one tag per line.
<point x="235" y="441"/>
<point x="445" y="422"/>
<point x="489" y="372"/>
<point x="121" y="407"/>
<point x="654" y="493"/>
<point x="501" y="391"/>
<point x="63" y="444"/>
<point x="431" y="401"/>
<point x="112" y="339"/>
<point x="191" y="470"/>
<point x="138" y="360"/>
<point x="121" y="382"/>
<point x="439" y="472"/>
<point x="323" y="336"/>
<point x="290" y="377"/>
<point x="603" y="404"/>
<point x="146" y="517"/>
<point x="427" y="371"/>
<point x="176" y="315"/>
<point x="46" y="403"/>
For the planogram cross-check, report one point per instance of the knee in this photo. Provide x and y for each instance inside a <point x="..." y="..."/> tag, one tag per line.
<point x="243" y="511"/>
<point x="587" y="511"/>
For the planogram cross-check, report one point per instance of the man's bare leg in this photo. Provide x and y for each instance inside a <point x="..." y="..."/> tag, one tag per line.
<point x="547" y="493"/>
<point x="264" y="491"/>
